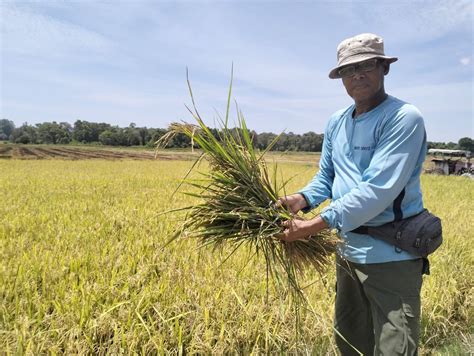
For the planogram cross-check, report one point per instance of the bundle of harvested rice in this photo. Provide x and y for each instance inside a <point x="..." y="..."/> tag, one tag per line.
<point x="237" y="201"/>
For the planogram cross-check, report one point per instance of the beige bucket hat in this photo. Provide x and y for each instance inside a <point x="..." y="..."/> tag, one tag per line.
<point x="358" y="49"/>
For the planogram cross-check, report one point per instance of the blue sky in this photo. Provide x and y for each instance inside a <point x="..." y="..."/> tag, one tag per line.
<point x="125" y="61"/>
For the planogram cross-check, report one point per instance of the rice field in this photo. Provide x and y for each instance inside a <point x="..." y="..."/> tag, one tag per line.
<point x="84" y="270"/>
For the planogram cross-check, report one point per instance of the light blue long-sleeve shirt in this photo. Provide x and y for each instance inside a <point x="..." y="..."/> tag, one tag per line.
<point x="365" y="164"/>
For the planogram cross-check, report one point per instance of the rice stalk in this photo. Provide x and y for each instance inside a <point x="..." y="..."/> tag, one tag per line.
<point x="237" y="202"/>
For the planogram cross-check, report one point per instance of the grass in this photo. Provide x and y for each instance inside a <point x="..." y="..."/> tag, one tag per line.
<point x="83" y="270"/>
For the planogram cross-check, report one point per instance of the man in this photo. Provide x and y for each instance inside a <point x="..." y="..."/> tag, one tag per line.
<point x="370" y="168"/>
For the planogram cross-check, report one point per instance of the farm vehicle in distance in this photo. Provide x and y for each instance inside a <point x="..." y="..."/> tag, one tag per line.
<point x="447" y="162"/>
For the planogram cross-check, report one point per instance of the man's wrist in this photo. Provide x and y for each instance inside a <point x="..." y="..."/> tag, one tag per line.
<point x="316" y="224"/>
<point x="305" y="203"/>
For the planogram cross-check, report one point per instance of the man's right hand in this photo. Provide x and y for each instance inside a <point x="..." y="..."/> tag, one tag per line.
<point x="294" y="202"/>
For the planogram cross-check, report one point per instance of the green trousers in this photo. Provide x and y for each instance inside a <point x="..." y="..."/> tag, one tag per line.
<point x="378" y="307"/>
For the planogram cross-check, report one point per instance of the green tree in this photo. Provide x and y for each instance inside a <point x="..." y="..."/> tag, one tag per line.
<point x="54" y="133"/>
<point x="88" y="132"/>
<point x="180" y="141"/>
<point x="115" y="136"/>
<point x="24" y="134"/>
<point x="143" y="133"/>
<point x="132" y="135"/>
<point x="108" y="138"/>
<point x="264" y="139"/>
<point x="6" y="129"/>
<point x="153" y="136"/>
<point x="466" y="143"/>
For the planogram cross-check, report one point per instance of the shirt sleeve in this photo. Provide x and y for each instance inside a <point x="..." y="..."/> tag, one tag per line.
<point x="320" y="187"/>
<point x="393" y="163"/>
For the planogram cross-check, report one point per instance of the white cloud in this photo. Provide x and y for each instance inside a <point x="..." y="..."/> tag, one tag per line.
<point x="440" y="17"/>
<point x="465" y="61"/>
<point x="416" y="21"/>
<point x="27" y="32"/>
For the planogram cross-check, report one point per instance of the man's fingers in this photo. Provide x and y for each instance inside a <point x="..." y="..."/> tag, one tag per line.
<point x="280" y="236"/>
<point x="285" y="236"/>
<point x="293" y="230"/>
<point x="281" y="202"/>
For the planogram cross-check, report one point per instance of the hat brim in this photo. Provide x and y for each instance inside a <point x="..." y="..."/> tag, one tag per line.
<point x="356" y="59"/>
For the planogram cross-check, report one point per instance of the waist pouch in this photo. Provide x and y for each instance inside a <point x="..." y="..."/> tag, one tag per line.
<point x="419" y="235"/>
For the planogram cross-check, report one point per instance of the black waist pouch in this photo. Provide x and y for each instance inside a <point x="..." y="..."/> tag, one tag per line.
<point x="419" y="235"/>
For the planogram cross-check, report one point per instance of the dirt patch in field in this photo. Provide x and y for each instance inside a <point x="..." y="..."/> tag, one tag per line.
<point x="28" y="153"/>
<point x="78" y="153"/>
<point x="51" y="153"/>
<point x="5" y="152"/>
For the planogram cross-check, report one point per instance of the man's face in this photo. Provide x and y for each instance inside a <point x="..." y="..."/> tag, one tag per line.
<point x="364" y="85"/>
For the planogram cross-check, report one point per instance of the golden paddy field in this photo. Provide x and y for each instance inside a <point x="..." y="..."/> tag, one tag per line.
<point x="84" y="269"/>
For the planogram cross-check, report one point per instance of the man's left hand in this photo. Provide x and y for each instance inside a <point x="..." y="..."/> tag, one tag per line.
<point x="297" y="229"/>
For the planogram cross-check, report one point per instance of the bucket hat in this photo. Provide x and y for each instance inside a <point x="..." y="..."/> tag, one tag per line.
<point x="358" y="49"/>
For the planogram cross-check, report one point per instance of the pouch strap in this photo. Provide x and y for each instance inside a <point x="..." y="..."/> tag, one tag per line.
<point x="363" y="230"/>
<point x="426" y="266"/>
<point x="397" y="206"/>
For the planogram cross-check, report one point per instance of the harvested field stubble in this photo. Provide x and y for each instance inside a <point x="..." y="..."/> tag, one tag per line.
<point x="5" y="152"/>
<point x="83" y="270"/>
<point x="11" y="151"/>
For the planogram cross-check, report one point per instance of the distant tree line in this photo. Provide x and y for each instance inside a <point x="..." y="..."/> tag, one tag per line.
<point x="465" y="143"/>
<point x="101" y="133"/>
